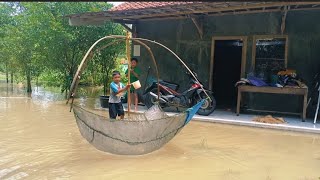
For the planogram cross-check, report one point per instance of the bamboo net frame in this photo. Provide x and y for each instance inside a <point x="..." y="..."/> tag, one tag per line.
<point x="128" y="48"/>
<point x="126" y="38"/>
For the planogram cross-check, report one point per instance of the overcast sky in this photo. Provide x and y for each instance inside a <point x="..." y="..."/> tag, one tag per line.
<point x="115" y="3"/>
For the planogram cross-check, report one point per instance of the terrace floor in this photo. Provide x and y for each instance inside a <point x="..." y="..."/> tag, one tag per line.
<point x="229" y="117"/>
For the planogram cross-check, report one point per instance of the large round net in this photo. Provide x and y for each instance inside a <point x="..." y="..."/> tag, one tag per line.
<point x="140" y="133"/>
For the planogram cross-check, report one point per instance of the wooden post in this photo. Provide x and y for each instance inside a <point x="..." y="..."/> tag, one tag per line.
<point x="129" y="69"/>
<point x="238" y="101"/>
<point x="305" y="102"/>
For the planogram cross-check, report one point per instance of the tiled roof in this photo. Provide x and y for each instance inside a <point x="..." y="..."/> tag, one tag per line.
<point x="130" y="12"/>
<point x="144" y="5"/>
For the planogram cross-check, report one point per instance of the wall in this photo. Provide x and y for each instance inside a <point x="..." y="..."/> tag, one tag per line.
<point x="182" y="37"/>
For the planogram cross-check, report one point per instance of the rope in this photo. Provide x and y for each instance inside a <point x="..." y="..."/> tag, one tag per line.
<point x="128" y="142"/>
<point x="176" y="115"/>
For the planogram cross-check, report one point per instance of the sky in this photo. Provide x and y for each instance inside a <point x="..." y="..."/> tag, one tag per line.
<point x="115" y="3"/>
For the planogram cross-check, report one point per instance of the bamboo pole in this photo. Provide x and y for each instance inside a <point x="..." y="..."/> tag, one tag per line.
<point x="154" y="62"/>
<point x="129" y="69"/>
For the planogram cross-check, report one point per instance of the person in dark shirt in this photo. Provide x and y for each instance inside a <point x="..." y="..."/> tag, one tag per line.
<point x="134" y="76"/>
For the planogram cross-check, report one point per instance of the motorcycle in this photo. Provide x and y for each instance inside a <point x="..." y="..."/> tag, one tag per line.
<point x="169" y="97"/>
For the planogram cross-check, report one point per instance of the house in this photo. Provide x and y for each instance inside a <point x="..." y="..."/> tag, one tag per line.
<point x="224" y="41"/>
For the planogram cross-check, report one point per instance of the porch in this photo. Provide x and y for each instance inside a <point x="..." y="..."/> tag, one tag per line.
<point x="200" y="29"/>
<point x="294" y="123"/>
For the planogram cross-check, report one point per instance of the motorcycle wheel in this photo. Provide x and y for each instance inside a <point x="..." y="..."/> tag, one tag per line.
<point x="208" y="107"/>
<point x="150" y="100"/>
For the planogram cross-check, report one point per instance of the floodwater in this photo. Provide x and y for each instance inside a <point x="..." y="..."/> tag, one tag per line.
<point x="39" y="139"/>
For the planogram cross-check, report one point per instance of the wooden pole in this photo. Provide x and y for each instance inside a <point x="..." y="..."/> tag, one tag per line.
<point x="129" y="69"/>
<point x="318" y="104"/>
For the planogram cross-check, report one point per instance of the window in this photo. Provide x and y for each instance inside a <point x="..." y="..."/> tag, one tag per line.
<point x="269" y="55"/>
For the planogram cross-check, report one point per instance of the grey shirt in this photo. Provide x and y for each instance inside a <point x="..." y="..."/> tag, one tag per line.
<point x="114" y="88"/>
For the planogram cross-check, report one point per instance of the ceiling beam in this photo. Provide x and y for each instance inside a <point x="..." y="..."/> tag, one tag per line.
<point x="248" y="6"/>
<point x="125" y="21"/>
<point x="244" y="4"/>
<point x="100" y="20"/>
<point x="80" y="22"/>
<point x="227" y="13"/>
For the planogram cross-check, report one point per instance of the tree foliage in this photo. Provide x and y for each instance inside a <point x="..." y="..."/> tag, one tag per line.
<point x="37" y="41"/>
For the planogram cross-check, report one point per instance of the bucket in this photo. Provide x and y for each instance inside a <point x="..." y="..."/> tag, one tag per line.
<point x="136" y="84"/>
<point x="104" y="101"/>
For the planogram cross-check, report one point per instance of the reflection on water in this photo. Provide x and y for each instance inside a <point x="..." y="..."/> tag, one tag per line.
<point x="87" y="95"/>
<point x="40" y="141"/>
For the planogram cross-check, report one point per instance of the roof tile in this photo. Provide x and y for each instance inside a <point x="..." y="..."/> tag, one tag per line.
<point x="144" y="5"/>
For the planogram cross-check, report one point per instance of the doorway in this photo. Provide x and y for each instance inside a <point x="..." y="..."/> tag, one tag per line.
<point x="228" y="63"/>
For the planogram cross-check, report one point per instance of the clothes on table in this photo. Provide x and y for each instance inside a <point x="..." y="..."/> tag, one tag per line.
<point x="287" y="78"/>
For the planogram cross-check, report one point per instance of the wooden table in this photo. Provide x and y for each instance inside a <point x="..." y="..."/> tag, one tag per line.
<point x="275" y="90"/>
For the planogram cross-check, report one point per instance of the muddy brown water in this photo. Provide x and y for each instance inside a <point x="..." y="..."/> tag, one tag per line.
<point x="39" y="139"/>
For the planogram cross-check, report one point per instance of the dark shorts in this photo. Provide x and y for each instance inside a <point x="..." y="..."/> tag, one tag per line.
<point x="115" y="109"/>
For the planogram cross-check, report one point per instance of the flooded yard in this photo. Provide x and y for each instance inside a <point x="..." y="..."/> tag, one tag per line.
<point x="39" y="139"/>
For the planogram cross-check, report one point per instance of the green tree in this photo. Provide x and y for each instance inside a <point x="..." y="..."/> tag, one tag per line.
<point x="71" y="43"/>
<point x="6" y="21"/>
<point x="37" y="39"/>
